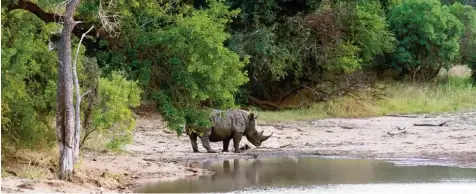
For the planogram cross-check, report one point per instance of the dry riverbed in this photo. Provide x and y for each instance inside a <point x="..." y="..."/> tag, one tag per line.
<point x="158" y="154"/>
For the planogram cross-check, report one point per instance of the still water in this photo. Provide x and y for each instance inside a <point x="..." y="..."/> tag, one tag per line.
<point x="321" y="175"/>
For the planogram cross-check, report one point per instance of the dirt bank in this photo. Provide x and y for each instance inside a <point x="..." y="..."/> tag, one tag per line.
<point x="158" y="154"/>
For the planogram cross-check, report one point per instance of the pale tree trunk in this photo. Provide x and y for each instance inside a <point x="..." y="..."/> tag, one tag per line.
<point x="77" y="127"/>
<point x="64" y="95"/>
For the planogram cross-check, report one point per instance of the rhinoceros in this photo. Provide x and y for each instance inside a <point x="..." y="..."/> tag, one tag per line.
<point x="232" y="124"/>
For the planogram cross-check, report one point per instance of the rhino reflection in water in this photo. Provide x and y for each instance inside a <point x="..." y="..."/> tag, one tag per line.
<point x="232" y="124"/>
<point x="249" y="174"/>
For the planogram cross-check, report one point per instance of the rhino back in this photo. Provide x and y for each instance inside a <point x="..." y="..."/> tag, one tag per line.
<point x="231" y="120"/>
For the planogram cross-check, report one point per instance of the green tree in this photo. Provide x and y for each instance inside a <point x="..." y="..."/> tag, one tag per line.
<point x="467" y="15"/>
<point x="28" y="81"/>
<point x="427" y="37"/>
<point x="177" y="53"/>
<point x="369" y="30"/>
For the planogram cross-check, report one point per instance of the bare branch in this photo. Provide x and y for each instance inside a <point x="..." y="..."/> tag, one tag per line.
<point x="86" y="93"/>
<point x="78" y="101"/>
<point x="77" y="50"/>
<point x="109" y="20"/>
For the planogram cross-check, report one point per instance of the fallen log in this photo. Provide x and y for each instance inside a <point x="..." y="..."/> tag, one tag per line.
<point x="397" y="115"/>
<point x="430" y="125"/>
<point x="396" y="133"/>
<point x="263" y="104"/>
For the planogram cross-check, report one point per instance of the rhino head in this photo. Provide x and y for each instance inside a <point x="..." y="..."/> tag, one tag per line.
<point x="252" y="134"/>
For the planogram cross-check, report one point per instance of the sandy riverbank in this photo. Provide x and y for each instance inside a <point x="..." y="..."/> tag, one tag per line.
<point x="158" y="154"/>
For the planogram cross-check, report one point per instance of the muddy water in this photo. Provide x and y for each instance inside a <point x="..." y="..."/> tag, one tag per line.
<point x="322" y="175"/>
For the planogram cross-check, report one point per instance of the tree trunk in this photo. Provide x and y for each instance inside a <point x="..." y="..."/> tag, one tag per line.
<point x="64" y="100"/>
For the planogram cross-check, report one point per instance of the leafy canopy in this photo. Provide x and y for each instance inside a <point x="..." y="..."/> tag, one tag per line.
<point x="427" y="36"/>
<point x="177" y="53"/>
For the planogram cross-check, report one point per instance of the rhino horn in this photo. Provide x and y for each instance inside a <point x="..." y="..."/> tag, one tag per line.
<point x="261" y="133"/>
<point x="266" y="137"/>
<point x="256" y="117"/>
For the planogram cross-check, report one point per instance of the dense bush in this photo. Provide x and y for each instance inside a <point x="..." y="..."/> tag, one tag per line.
<point x="427" y="37"/>
<point x="308" y="44"/>
<point x="183" y="61"/>
<point x="28" y="81"/>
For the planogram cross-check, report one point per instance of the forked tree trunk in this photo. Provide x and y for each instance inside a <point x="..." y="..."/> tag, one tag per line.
<point x="64" y="95"/>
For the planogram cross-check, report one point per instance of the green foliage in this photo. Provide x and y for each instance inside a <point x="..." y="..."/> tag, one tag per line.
<point x="467" y="15"/>
<point x="308" y="43"/>
<point x="427" y="37"/>
<point x="369" y="30"/>
<point x="199" y="65"/>
<point x="181" y="51"/>
<point x="112" y="114"/>
<point x="270" y="58"/>
<point x="28" y="81"/>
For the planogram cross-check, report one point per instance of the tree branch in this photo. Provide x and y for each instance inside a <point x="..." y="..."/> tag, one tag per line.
<point x="35" y="9"/>
<point x="78" y="101"/>
<point x="85" y="93"/>
<point x="78" y="31"/>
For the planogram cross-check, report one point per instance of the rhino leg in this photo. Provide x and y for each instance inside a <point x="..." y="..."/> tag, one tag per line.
<point x="226" y="144"/>
<point x="236" y="141"/>
<point x="206" y="144"/>
<point x="193" y="140"/>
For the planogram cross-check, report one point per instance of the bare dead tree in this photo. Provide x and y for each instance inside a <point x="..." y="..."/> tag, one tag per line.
<point x="77" y="128"/>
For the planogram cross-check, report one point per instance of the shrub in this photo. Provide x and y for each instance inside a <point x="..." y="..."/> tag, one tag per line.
<point x="112" y="114"/>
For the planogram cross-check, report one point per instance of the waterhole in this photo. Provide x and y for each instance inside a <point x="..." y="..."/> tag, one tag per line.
<point x="322" y="175"/>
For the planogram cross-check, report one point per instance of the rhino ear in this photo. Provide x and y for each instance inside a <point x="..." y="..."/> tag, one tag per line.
<point x="251" y="117"/>
<point x="256" y="117"/>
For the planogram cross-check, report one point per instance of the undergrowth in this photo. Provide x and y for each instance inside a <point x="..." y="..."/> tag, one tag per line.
<point x="32" y="164"/>
<point x="456" y="94"/>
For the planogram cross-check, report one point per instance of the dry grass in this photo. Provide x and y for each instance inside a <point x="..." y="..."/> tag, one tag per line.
<point x="455" y="95"/>
<point x="29" y="164"/>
